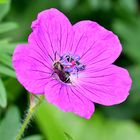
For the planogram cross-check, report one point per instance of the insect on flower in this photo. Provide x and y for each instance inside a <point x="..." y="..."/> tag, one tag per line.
<point x="59" y="70"/>
<point x="72" y="65"/>
<point x="66" y="65"/>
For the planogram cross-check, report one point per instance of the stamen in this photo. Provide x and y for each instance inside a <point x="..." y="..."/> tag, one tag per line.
<point x="71" y="63"/>
<point x="66" y="66"/>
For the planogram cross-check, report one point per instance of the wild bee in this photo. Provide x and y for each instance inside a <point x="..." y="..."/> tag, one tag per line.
<point x="59" y="70"/>
<point x="67" y="65"/>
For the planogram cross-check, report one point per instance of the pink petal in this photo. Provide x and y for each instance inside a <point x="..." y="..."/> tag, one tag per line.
<point x="52" y="32"/>
<point x="31" y="68"/>
<point x="68" y="99"/>
<point x="97" y="46"/>
<point x="106" y="86"/>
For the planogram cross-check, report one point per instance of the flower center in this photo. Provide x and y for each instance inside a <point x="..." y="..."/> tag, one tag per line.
<point x="66" y="66"/>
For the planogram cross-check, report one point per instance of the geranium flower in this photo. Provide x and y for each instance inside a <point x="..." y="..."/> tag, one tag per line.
<point x="72" y="65"/>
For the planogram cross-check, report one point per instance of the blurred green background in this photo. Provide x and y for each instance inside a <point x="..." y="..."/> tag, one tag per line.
<point x="120" y="122"/>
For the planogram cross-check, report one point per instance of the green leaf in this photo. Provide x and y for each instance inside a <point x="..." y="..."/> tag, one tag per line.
<point x="48" y="124"/>
<point x="10" y="124"/>
<point x="7" y="60"/>
<point x="4" y="27"/>
<point x="6" y="47"/>
<point x="33" y="137"/>
<point x="130" y="33"/>
<point x="3" y="97"/>
<point x="3" y="1"/>
<point x="95" y="4"/>
<point x="128" y="5"/>
<point x="13" y="93"/>
<point x="4" y="8"/>
<point x="99" y="4"/>
<point x="7" y="71"/>
<point x="122" y="130"/>
<point x="68" y="4"/>
<point x="135" y="74"/>
<point x="97" y="127"/>
<point x="68" y="136"/>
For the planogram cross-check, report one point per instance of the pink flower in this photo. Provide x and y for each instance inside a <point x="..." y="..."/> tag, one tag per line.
<point x="72" y="65"/>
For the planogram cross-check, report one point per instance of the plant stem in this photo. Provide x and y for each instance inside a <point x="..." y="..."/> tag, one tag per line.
<point x="29" y="115"/>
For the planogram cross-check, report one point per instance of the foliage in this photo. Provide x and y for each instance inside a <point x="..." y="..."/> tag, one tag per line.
<point x="108" y="123"/>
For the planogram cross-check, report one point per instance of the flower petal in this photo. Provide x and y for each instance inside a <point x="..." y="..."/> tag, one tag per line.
<point x="52" y="32"/>
<point x="97" y="46"/>
<point x="68" y="100"/>
<point x="31" y="68"/>
<point x="107" y="86"/>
